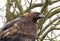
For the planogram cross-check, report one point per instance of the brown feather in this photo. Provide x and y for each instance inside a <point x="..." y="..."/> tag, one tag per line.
<point x="21" y="29"/>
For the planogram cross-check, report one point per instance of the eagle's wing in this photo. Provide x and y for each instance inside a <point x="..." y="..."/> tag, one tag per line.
<point x="20" y="31"/>
<point x="9" y="24"/>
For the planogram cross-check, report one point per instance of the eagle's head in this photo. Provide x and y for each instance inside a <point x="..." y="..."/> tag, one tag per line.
<point x="34" y="16"/>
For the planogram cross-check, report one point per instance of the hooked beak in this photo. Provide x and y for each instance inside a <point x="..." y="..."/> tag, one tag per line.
<point x="41" y="16"/>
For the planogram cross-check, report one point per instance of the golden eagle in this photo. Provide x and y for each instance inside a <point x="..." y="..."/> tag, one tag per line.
<point x="23" y="28"/>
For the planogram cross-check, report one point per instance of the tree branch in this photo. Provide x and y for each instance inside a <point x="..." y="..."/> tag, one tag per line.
<point x="47" y="27"/>
<point x="53" y="13"/>
<point x="39" y="5"/>
<point x="50" y="29"/>
<point x="19" y="7"/>
<point x="33" y="6"/>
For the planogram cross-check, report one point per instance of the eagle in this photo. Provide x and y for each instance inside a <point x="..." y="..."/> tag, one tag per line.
<point x="23" y="28"/>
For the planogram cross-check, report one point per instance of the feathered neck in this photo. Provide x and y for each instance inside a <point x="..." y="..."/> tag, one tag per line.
<point x="30" y="17"/>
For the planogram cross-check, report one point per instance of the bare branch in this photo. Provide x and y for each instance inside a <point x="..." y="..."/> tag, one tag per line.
<point x="56" y="28"/>
<point x="54" y="12"/>
<point x="19" y="7"/>
<point x="28" y="1"/>
<point x="56" y="36"/>
<point x="51" y="10"/>
<point x="39" y="5"/>
<point x="47" y="26"/>
<point x="50" y="29"/>
<point x="33" y="6"/>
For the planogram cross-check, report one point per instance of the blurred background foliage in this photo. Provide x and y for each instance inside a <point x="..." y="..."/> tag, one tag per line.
<point x="15" y="8"/>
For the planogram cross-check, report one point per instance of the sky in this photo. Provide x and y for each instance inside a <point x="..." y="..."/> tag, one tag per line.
<point x="2" y="12"/>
